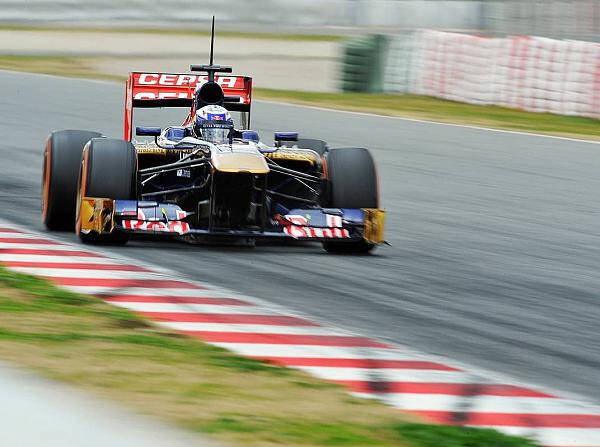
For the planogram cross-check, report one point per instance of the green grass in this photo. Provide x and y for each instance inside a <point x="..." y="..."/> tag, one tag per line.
<point x="440" y="435"/>
<point x="114" y="353"/>
<point x="428" y="108"/>
<point x="74" y="67"/>
<point x="176" y="32"/>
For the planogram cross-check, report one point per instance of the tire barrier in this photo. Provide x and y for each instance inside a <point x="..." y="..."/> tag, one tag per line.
<point x="525" y="72"/>
<point x="398" y="59"/>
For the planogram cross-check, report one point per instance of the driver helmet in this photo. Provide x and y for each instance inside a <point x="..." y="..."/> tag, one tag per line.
<point x="213" y="124"/>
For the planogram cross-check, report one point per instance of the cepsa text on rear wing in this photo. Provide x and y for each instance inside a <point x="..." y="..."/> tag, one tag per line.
<point x="150" y="90"/>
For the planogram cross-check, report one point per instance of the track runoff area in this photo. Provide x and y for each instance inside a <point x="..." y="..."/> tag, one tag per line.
<point x="435" y="389"/>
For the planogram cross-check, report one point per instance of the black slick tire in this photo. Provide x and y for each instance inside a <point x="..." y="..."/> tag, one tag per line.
<point x="108" y="170"/>
<point x="352" y="184"/>
<point x="62" y="157"/>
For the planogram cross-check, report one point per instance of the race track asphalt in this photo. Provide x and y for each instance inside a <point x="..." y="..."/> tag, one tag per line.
<point x="495" y="236"/>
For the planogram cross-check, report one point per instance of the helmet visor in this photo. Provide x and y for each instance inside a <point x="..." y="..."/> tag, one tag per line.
<point x="216" y="136"/>
<point x="215" y="132"/>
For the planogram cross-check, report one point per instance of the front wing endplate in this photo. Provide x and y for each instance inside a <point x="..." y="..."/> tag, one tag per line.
<point x="374" y="225"/>
<point x="97" y="214"/>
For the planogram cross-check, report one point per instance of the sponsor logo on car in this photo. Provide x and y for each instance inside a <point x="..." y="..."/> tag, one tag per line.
<point x="185" y="80"/>
<point x="298" y="227"/>
<point x="298" y="232"/>
<point x="173" y="226"/>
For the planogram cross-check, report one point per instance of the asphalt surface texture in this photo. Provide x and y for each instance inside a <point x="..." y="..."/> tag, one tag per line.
<point x="495" y="236"/>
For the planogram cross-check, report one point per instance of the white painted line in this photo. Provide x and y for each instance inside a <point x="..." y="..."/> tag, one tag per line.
<point x="388" y="375"/>
<point x="194" y="308"/>
<point x="423" y="121"/>
<point x="477" y="404"/>
<point x="58" y="246"/>
<point x="559" y="437"/>
<point x="58" y="259"/>
<point x="309" y="351"/>
<point x="107" y="290"/>
<point x="88" y="273"/>
<point x="19" y="235"/>
<point x="252" y="328"/>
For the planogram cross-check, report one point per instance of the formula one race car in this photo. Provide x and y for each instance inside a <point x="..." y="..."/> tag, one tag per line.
<point x="207" y="178"/>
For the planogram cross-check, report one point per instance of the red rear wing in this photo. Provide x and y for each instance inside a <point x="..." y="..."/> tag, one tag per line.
<point x="177" y="90"/>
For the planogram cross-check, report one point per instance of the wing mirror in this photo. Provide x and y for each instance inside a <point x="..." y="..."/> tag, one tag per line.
<point x="250" y="135"/>
<point x="286" y="136"/>
<point x="148" y="131"/>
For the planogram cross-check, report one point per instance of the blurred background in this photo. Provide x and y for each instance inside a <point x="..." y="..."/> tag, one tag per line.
<point x="572" y="19"/>
<point x="536" y="55"/>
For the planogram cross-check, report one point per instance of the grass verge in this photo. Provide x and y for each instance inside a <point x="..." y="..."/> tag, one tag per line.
<point x="74" y="67"/>
<point x="118" y="355"/>
<point x="428" y="108"/>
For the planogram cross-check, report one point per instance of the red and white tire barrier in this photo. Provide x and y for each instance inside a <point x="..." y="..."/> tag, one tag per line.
<point x="525" y="72"/>
<point x="408" y="380"/>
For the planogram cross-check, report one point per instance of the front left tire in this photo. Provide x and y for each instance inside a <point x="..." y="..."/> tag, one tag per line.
<point x="108" y="170"/>
<point x="353" y="183"/>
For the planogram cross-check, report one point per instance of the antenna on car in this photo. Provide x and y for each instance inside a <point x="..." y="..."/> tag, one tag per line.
<point x="212" y="40"/>
<point x="211" y="68"/>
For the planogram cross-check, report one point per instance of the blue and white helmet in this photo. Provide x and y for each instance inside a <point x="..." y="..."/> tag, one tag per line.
<point x="213" y="123"/>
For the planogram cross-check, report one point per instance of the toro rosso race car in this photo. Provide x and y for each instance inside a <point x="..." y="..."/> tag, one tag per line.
<point x="205" y="177"/>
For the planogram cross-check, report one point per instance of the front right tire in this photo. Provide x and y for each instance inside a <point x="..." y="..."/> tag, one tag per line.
<point x="62" y="157"/>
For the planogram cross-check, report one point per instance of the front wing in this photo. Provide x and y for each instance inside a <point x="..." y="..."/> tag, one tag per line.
<point x="145" y="217"/>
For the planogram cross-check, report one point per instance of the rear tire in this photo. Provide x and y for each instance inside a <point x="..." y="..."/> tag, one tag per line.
<point x="319" y="146"/>
<point x="352" y="184"/>
<point x="108" y="170"/>
<point x="62" y="157"/>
